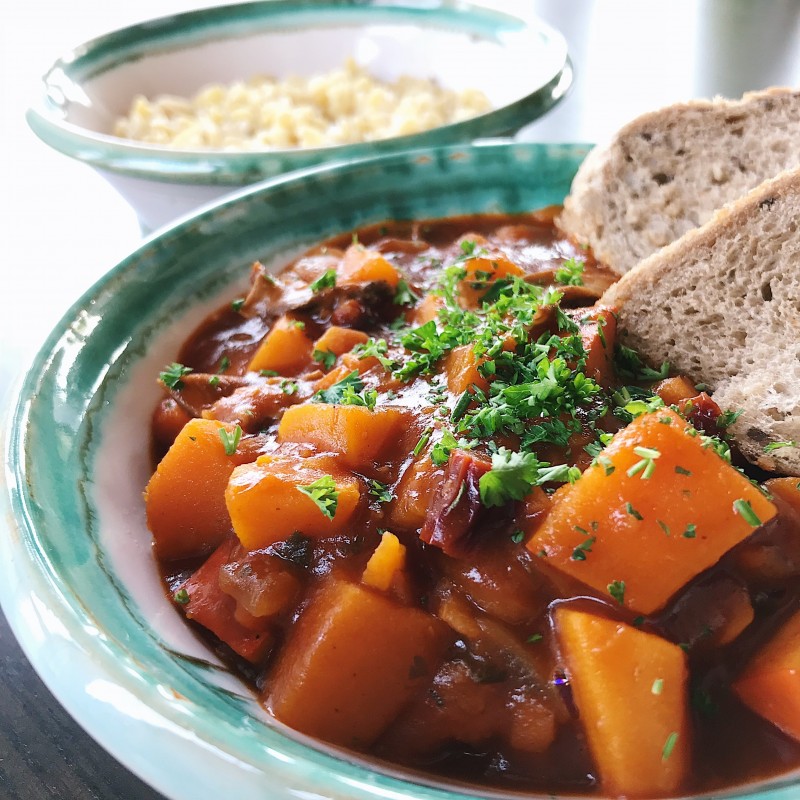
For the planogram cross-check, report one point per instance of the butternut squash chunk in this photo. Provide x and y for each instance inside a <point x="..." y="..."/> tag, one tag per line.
<point x="461" y="368"/>
<point x="286" y="349"/>
<point x="338" y="340"/>
<point x="675" y="390"/>
<point x="770" y="683"/>
<point x="266" y="502"/>
<point x="630" y="690"/>
<point x="427" y="309"/>
<point x="638" y="528"/>
<point x="359" y="434"/>
<point x="385" y="564"/>
<point x="483" y="264"/>
<point x="598" y="331"/>
<point x="185" y="497"/>
<point x="362" y="265"/>
<point x="351" y="662"/>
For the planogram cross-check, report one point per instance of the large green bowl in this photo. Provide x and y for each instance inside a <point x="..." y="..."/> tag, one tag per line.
<point x="77" y="577"/>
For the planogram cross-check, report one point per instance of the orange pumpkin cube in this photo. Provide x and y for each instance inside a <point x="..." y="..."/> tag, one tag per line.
<point x="286" y="349"/>
<point x="770" y="683"/>
<point x="630" y="688"/>
<point x="658" y="507"/>
<point x="362" y="265"/>
<point x="185" y="497"/>
<point x="338" y="340"/>
<point x="267" y="504"/>
<point x="461" y="368"/>
<point x="351" y="663"/>
<point x="359" y="434"/>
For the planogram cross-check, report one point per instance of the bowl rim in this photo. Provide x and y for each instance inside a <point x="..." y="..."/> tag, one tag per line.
<point x="30" y="589"/>
<point x="46" y="115"/>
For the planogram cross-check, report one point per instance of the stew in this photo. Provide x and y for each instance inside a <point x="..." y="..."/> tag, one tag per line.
<point x="425" y="504"/>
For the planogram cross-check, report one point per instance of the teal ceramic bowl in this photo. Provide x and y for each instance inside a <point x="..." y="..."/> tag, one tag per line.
<point x="521" y="64"/>
<point x="78" y="581"/>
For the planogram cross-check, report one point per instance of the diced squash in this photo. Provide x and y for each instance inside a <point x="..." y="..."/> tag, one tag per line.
<point x="266" y="505"/>
<point x="630" y="688"/>
<point x="770" y="683"/>
<point x="598" y="330"/>
<point x="675" y="390"/>
<point x="651" y="526"/>
<point x="359" y="434"/>
<point x="385" y="564"/>
<point x="788" y="489"/>
<point x="185" y="497"/>
<point x="362" y="265"/>
<point x="352" y="662"/>
<point x="427" y="309"/>
<point x="338" y="340"/>
<point x="461" y="369"/>
<point x="286" y="349"/>
<point x="482" y="271"/>
<point x="208" y="605"/>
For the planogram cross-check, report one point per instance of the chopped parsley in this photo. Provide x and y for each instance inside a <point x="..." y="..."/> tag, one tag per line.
<point x="629" y="364"/>
<point x="511" y="477"/>
<point x="324" y="357"/>
<point x="690" y="532"/>
<point x="237" y="304"/>
<point x="380" y="491"/>
<point x="534" y="637"/>
<point x="745" y="511"/>
<point x="518" y="536"/>
<point x="181" y="597"/>
<point x="647" y="464"/>
<point x="349" y="391"/>
<point x="617" y="590"/>
<point x="404" y="295"/>
<point x="570" y="273"/>
<point x="325" y="281"/>
<point x="682" y="471"/>
<point x="230" y="440"/>
<point x="773" y="446"/>
<point x="633" y="512"/>
<point x="579" y="553"/>
<point x="727" y="418"/>
<point x="658" y="686"/>
<point x="669" y="746"/>
<point x="323" y="492"/>
<point x="172" y="375"/>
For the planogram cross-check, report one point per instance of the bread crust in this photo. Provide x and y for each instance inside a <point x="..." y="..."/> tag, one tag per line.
<point x="722" y="305"/>
<point x="667" y="171"/>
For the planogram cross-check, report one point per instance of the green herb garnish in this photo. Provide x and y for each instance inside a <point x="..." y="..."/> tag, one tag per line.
<point x="323" y="492"/>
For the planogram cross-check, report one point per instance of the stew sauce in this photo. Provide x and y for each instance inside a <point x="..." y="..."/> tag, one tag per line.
<point x="362" y="468"/>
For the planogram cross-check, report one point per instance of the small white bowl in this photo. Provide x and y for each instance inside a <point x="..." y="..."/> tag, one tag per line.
<point x="520" y="64"/>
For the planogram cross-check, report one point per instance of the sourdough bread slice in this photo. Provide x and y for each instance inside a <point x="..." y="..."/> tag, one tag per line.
<point x="722" y="305"/>
<point x="668" y="171"/>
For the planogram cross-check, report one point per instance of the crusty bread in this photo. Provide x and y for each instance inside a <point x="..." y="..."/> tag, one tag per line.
<point x="668" y="171"/>
<point x="722" y="305"/>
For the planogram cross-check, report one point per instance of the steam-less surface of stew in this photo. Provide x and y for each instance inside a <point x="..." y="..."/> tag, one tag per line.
<point x="419" y="497"/>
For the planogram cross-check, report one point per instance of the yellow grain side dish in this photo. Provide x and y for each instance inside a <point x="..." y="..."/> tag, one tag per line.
<point x="344" y="106"/>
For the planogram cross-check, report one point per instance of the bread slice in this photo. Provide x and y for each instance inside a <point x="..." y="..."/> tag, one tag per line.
<point x="668" y="171"/>
<point x="722" y="305"/>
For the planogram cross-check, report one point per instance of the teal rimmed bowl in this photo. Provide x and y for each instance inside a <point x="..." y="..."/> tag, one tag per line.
<point x="520" y="63"/>
<point x="78" y="581"/>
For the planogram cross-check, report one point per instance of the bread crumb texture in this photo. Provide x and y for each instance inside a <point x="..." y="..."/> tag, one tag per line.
<point x="667" y="172"/>
<point x="722" y="305"/>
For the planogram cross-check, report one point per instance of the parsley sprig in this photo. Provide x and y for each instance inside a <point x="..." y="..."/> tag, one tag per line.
<point x="324" y="493"/>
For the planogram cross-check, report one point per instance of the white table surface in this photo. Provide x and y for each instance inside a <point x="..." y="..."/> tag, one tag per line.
<point x="62" y="226"/>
